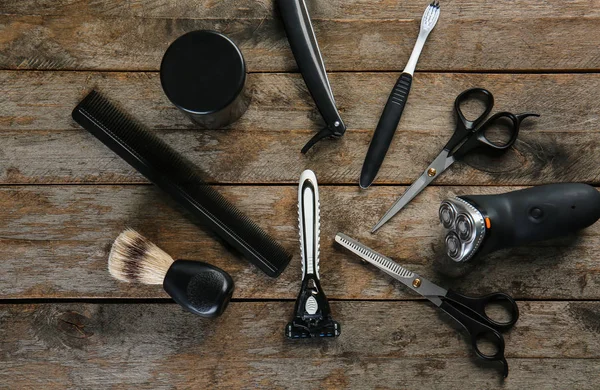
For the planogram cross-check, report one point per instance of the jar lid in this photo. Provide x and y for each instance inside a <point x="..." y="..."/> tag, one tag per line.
<point x="202" y="72"/>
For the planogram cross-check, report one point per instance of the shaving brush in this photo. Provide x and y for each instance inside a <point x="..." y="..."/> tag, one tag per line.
<point x="198" y="287"/>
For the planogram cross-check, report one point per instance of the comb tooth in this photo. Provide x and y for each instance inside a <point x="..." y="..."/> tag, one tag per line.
<point x="180" y="178"/>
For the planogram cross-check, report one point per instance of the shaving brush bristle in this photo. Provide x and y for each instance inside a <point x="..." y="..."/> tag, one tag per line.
<point x="133" y="258"/>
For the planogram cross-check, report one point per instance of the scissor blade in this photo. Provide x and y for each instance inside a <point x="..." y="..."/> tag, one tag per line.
<point x="385" y="264"/>
<point x="395" y="270"/>
<point x="439" y="165"/>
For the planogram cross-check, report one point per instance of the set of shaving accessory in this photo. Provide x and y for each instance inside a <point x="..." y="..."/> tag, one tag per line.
<point x="203" y="73"/>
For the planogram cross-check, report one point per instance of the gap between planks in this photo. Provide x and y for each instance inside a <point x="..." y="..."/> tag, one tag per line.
<point x="558" y="71"/>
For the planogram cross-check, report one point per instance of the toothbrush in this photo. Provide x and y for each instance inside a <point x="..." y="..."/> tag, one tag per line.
<point x="388" y="122"/>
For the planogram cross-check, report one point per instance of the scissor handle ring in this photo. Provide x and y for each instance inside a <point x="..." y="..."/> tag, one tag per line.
<point x="478" y="305"/>
<point x="510" y="304"/>
<point x="497" y="340"/>
<point x="499" y="344"/>
<point x="488" y="100"/>
<point x="492" y="336"/>
<point x="477" y="331"/>
<point x="514" y="131"/>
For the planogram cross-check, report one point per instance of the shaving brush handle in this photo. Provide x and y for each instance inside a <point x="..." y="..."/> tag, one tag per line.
<point x="537" y="213"/>
<point x="198" y="287"/>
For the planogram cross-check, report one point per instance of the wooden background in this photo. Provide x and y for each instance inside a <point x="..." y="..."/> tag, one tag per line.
<point x="64" y="323"/>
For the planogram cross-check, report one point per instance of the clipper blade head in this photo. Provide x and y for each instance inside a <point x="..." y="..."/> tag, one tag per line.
<point x="465" y="228"/>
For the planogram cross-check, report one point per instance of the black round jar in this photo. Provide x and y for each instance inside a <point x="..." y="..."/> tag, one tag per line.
<point x="203" y="74"/>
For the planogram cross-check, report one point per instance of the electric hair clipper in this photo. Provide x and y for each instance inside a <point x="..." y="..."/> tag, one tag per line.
<point x="312" y="314"/>
<point x="480" y="224"/>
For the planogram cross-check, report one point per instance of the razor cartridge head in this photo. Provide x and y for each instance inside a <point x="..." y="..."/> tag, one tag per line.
<point x="299" y="329"/>
<point x="312" y="314"/>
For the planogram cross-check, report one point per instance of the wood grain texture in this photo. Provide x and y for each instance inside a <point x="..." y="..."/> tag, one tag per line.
<point x="55" y="242"/>
<point x="41" y="157"/>
<point x="31" y="100"/>
<point x="548" y="36"/>
<point x="64" y="196"/>
<point x="332" y="9"/>
<point x="555" y="344"/>
<point x="40" y="143"/>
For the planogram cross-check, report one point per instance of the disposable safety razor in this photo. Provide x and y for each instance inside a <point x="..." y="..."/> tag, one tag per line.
<point x="305" y="48"/>
<point x="312" y="314"/>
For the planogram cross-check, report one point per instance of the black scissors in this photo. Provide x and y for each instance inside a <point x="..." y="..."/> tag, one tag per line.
<point x="467" y="311"/>
<point x="468" y="135"/>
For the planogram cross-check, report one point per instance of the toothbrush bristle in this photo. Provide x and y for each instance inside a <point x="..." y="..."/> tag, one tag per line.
<point x="431" y="15"/>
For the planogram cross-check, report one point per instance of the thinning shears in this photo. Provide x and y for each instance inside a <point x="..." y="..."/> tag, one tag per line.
<point x="467" y="311"/>
<point x="468" y="136"/>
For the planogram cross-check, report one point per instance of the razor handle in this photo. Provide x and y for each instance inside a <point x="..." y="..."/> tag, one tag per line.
<point x="309" y="223"/>
<point x="312" y="315"/>
<point x="535" y="214"/>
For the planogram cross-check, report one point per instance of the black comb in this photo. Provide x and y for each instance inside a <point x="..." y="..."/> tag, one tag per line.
<point x="177" y="176"/>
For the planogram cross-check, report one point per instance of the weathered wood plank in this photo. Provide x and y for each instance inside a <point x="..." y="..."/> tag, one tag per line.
<point x="555" y="344"/>
<point x="480" y="44"/>
<point x="41" y="157"/>
<point x="55" y="242"/>
<point x="332" y="9"/>
<point x="282" y="118"/>
<point x="44" y="100"/>
<point x="309" y="373"/>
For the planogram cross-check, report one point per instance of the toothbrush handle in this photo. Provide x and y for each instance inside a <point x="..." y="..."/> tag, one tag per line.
<point x="384" y="133"/>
